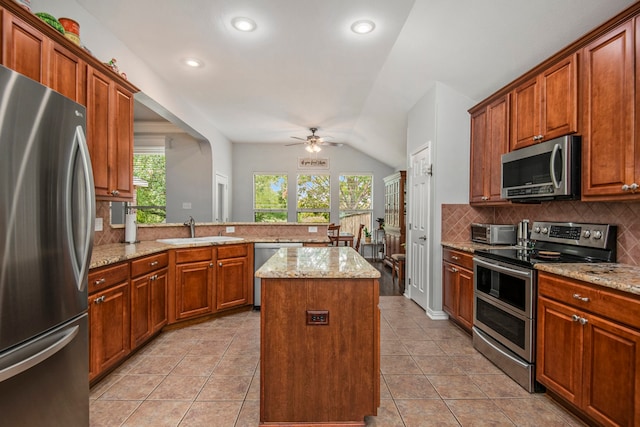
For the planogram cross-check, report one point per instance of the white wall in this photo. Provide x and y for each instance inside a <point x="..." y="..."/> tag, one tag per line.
<point x="250" y="158"/>
<point x="441" y="117"/>
<point x="104" y="46"/>
<point x="188" y="170"/>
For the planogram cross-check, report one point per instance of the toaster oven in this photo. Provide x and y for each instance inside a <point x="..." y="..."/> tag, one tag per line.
<point x="494" y="234"/>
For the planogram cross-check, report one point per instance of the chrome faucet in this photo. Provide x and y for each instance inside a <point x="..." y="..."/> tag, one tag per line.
<point x="192" y="225"/>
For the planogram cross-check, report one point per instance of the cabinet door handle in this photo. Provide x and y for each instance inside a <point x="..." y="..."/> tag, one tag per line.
<point x="453" y="270"/>
<point x="575" y="317"/>
<point x="633" y="187"/>
<point x="115" y="193"/>
<point x="583" y="321"/>
<point x="99" y="300"/>
<point x="219" y="264"/>
<point x="581" y="298"/>
<point x="625" y="187"/>
<point x="210" y="265"/>
<point x="100" y="281"/>
<point x="153" y="263"/>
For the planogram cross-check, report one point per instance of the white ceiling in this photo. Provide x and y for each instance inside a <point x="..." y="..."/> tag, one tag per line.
<point x="303" y="67"/>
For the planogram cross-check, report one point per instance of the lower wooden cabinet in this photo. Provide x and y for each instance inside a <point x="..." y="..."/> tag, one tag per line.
<point x="588" y="350"/>
<point x="194" y="277"/>
<point x="109" y="312"/>
<point x="234" y="276"/>
<point x="457" y="287"/>
<point x="148" y="297"/>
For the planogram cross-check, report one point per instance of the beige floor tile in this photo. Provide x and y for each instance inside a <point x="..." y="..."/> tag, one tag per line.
<point x="132" y="387"/>
<point x="109" y="413"/>
<point x="478" y="413"/>
<point x="476" y="364"/>
<point x="438" y="365"/>
<point x="398" y="365"/>
<point x="155" y="365"/>
<point x="158" y="413"/>
<point x="249" y="414"/>
<point x="425" y="413"/>
<point x="406" y="334"/>
<point x="176" y="387"/>
<point x="223" y="387"/>
<point x="388" y="416"/>
<point x="96" y="391"/>
<point x="457" y="346"/>
<point x="392" y="347"/>
<point x="455" y="387"/>
<point x="209" y="414"/>
<point x="423" y="348"/>
<point x="499" y="385"/>
<point x="196" y="366"/>
<point x="209" y="347"/>
<point x="254" y="389"/>
<point x="410" y="387"/>
<point x="532" y="412"/>
<point x="233" y="364"/>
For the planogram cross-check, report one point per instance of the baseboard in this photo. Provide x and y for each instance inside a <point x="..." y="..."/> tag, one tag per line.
<point x="437" y="315"/>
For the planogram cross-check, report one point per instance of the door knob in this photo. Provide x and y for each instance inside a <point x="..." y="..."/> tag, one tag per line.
<point x="422" y="237"/>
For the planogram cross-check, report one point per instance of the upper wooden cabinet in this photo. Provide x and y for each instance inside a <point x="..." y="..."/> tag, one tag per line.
<point x="489" y="141"/>
<point x="611" y="153"/>
<point x="110" y="136"/>
<point x="394" y="214"/>
<point x="546" y="106"/>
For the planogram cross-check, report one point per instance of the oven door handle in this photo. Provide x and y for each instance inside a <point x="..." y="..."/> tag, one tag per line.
<point x="481" y="334"/>
<point x="499" y="267"/>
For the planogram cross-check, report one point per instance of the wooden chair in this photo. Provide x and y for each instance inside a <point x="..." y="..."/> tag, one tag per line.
<point x="398" y="265"/>
<point x="333" y="232"/>
<point x="357" y="245"/>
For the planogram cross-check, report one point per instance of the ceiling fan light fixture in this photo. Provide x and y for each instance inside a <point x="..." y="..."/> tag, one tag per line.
<point x="363" y="26"/>
<point x="313" y="148"/>
<point x="241" y="23"/>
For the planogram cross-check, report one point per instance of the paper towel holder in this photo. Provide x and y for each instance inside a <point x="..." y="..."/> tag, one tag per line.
<point x="130" y="225"/>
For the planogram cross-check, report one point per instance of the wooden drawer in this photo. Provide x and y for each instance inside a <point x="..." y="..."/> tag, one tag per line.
<point x="609" y="303"/>
<point x="460" y="258"/>
<point x="193" y="255"/>
<point x="232" y="251"/>
<point x="108" y="276"/>
<point x="148" y="264"/>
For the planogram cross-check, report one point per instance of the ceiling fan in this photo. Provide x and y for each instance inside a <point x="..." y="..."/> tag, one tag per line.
<point x="313" y="142"/>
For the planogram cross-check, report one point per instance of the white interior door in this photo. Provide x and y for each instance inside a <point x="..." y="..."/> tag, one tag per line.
<point x="222" y="198"/>
<point x="419" y="199"/>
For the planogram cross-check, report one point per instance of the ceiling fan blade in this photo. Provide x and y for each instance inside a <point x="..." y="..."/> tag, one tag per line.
<point x="333" y="144"/>
<point x="295" y="143"/>
<point x="301" y="139"/>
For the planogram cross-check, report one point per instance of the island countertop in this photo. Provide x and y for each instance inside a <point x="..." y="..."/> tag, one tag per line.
<point x="317" y="262"/>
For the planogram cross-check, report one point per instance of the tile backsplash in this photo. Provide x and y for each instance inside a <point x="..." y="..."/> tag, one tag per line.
<point x="456" y="220"/>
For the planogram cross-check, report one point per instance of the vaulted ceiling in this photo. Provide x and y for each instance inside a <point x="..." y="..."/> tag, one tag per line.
<point x="303" y="67"/>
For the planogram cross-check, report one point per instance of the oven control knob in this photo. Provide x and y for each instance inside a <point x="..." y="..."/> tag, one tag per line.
<point x="597" y="234"/>
<point x="587" y="234"/>
<point x="537" y="229"/>
<point x="545" y="230"/>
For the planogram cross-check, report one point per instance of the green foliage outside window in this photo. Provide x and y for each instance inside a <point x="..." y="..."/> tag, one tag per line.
<point x="270" y="198"/>
<point x="151" y="168"/>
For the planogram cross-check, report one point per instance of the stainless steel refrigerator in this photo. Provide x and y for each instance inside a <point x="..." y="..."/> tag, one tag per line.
<point x="47" y="212"/>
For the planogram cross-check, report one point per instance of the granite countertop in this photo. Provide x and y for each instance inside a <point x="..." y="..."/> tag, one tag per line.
<point x="318" y="262"/>
<point x="622" y="277"/>
<point x="117" y="252"/>
<point x="471" y="247"/>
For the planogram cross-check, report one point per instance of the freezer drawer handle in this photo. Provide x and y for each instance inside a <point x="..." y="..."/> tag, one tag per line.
<point x="40" y="356"/>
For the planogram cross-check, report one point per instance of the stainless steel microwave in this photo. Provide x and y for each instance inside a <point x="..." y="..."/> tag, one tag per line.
<point x="546" y="171"/>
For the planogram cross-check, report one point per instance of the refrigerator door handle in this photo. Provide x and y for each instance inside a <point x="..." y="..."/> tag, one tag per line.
<point x="80" y="261"/>
<point x="39" y="356"/>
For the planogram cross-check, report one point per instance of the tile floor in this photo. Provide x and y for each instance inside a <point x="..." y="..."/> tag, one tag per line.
<point x="208" y="375"/>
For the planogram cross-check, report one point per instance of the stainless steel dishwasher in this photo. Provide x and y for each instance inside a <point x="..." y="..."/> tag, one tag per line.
<point x="262" y="252"/>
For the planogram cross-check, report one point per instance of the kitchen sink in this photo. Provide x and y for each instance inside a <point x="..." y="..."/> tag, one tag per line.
<point x="205" y="239"/>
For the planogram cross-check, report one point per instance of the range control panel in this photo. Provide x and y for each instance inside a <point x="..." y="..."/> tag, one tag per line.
<point x="598" y="236"/>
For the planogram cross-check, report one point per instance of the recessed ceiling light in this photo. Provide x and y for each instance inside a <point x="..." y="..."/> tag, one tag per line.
<point x="193" y="62"/>
<point x="243" y="24"/>
<point x="363" y="27"/>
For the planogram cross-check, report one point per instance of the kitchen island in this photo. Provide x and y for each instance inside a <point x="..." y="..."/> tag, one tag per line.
<point x="319" y="338"/>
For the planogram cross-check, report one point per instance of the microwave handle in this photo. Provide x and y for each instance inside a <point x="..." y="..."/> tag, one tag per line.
<point x="554" y="153"/>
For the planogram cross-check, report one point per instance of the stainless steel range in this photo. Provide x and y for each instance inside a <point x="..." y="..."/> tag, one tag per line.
<point x="505" y="290"/>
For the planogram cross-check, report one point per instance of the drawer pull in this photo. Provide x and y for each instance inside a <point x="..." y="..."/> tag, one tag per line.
<point x="100" y="281"/>
<point x="453" y="270"/>
<point x="153" y="263"/>
<point x="581" y="298"/>
<point x="99" y="300"/>
<point x="455" y="257"/>
<point x="575" y="317"/>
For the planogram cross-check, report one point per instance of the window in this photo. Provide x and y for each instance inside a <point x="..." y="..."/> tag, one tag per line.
<point x="149" y="171"/>
<point x="356" y="202"/>
<point x="270" y="198"/>
<point x="313" y="198"/>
